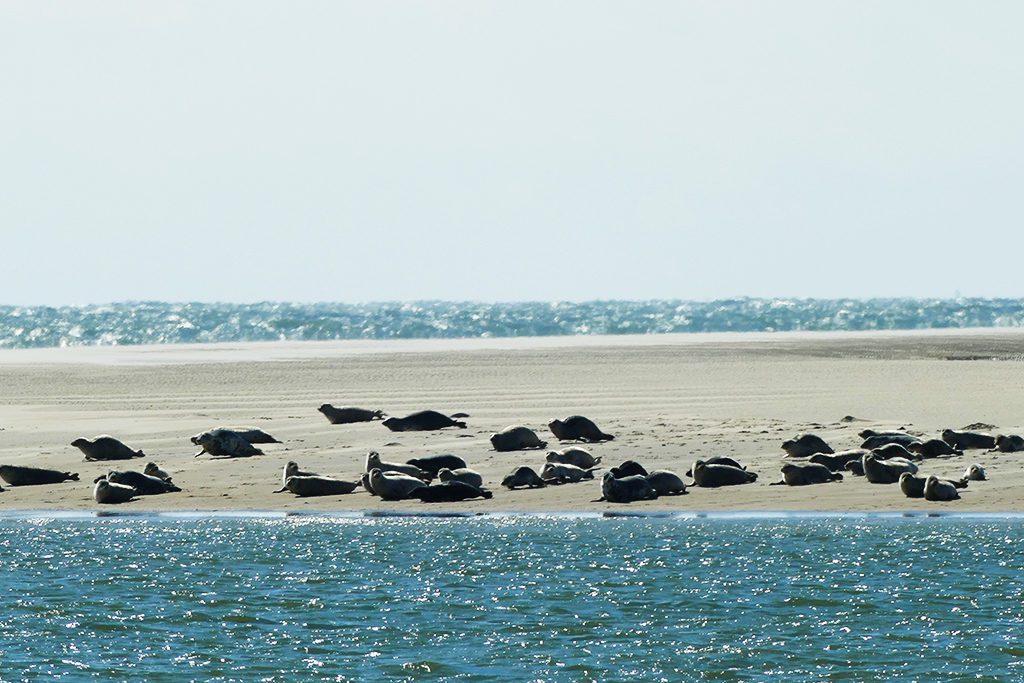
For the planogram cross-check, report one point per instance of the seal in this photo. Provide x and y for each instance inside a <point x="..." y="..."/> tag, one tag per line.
<point x="894" y="450"/>
<point x="713" y="476"/>
<point x="1009" y="443"/>
<point x="307" y="486"/>
<point x="291" y="469"/>
<point x="393" y="485"/>
<point x="856" y="467"/>
<point x="628" y="468"/>
<point x="523" y="476"/>
<point x="975" y="473"/>
<point x="626" y="489"/>
<point x="913" y="487"/>
<point x="574" y="455"/>
<point x="463" y="474"/>
<point x="933" y="448"/>
<point x="153" y="470"/>
<point x="804" y="445"/>
<point x="556" y="473"/>
<point x="665" y="483"/>
<point x="718" y="460"/>
<point x="450" y="492"/>
<point x="868" y="433"/>
<point x="250" y="434"/>
<point x="837" y="462"/>
<point x="373" y="462"/>
<point x="423" y="421"/>
<point x="516" y="438"/>
<point x="143" y="484"/>
<point x="105" y="447"/>
<point x="433" y="464"/>
<point x="880" y="471"/>
<point x="108" y="493"/>
<point x="885" y="438"/>
<point x="803" y="474"/>
<point x="966" y="440"/>
<point x="577" y="428"/>
<point x="224" y="443"/>
<point x="19" y="475"/>
<point x="936" y="489"/>
<point x="349" y="414"/>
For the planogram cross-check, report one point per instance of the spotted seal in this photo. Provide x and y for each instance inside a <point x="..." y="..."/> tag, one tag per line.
<point x="349" y="414"/>
<point x="516" y="438"/>
<point x="224" y="443"/>
<point x="938" y="490"/>
<point x="574" y="455"/>
<point x="803" y="474"/>
<point x="966" y="440"/>
<point x="423" y="421"/>
<point x="713" y="476"/>
<point x="523" y="476"/>
<point x="20" y="475"/>
<point x="109" y="493"/>
<point x="309" y="485"/>
<point x="804" y="445"/>
<point x="577" y="428"/>
<point x="105" y="447"/>
<point x="627" y="489"/>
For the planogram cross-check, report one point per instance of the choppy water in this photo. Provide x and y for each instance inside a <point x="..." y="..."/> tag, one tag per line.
<point x="511" y="598"/>
<point x="174" y="323"/>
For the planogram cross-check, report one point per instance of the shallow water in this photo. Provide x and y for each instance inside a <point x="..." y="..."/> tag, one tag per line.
<point x="511" y="598"/>
<point x="157" y="322"/>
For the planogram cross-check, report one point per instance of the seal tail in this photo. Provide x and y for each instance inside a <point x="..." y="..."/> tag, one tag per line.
<point x="836" y="476"/>
<point x="139" y="454"/>
<point x="459" y="424"/>
<point x="72" y="476"/>
<point x="281" y="490"/>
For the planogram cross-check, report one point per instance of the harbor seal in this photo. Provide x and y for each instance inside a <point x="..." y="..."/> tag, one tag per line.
<point x="433" y="464"/>
<point x="577" y="428"/>
<point x="463" y="474"/>
<point x="20" y="475"/>
<point x="154" y="470"/>
<point x="804" y="474"/>
<point x="574" y="455"/>
<point x="516" y="438"/>
<point x="884" y="439"/>
<point x="713" y="476"/>
<point x="933" y="448"/>
<point x="556" y="473"/>
<point x="523" y="476"/>
<point x="894" y="450"/>
<point x="805" y="445"/>
<point x="938" y="490"/>
<point x="880" y="471"/>
<point x="913" y="487"/>
<point x="966" y="440"/>
<point x="1009" y="443"/>
<point x="898" y="433"/>
<point x="628" y="468"/>
<point x="349" y="414"/>
<point x="837" y="462"/>
<point x="108" y="493"/>
<point x="291" y="469"/>
<point x="143" y="484"/>
<point x="423" y="421"/>
<point x="718" y="460"/>
<point x="105" y="447"/>
<point x="975" y="473"/>
<point x="393" y="485"/>
<point x="856" y="467"/>
<point x="224" y="443"/>
<point x="250" y="434"/>
<point x="665" y="483"/>
<point x="307" y="486"/>
<point x="450" y="492"/>
<point x="626" y="489"/>
<point x="373" y="462"/>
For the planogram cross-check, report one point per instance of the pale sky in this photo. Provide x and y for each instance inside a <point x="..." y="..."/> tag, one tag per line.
<point x="516" y="150"/>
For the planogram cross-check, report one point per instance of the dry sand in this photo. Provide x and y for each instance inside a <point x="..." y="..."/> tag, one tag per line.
<point x="668" y="399"/>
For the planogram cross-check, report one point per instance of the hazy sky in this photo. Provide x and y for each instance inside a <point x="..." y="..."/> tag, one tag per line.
<point x="355" y="151"/>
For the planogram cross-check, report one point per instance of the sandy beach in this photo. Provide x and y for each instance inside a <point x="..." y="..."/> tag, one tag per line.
<point x="668" y="399"/>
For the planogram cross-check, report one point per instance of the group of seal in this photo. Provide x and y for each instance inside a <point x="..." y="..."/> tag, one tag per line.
<point x="121" y="486"/>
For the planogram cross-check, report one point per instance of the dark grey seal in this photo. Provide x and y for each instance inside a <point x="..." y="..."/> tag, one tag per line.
<point x="966" y="440"/>
<point x="577" y="428"/>
<point x="805" y="445"/>
<point x="626" y="489"/>
<point x="884" y="438"/>
<point x="1009" y="443"/>
<point x="450" y="492"/>
<point x="312" y="485"/>
<point x="224" y="443"/>
<point x="349" y="414"/>
<point x="423" y="421"/>
<point x="913" y="487"/>
<point x="666" y="483"/>
<point x="250" y="434"/>
<point x="894" y="450"/>
<point x="933" y="448"/>
<point x="433" y="464"/>
<point x="516" y="438"/>
<point x="105" y="447"/>
<point x="143" y="484"/>
<point x="523" y="476"/>
<point x="804" y="474"/>
<point x="20" y="475"/>
<point x="628" y="468"/>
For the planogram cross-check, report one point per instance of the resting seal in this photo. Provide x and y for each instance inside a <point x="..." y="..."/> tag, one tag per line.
<point x="718" y="460"/>
<point x="837" y="462"/>
<point x="423" y="421"/>
<point x="577" y="428"/>
<point x="435" y="463"/>
<point x="880" y="471"/>
<point x="224" y="443"/>
<point x="626" y="489"/>
<point x="463" y="474"/>
<point x="933" y="448"/>
<point x="451" y="492"/>
<point x="936" y="489"/>
<point x="516" y="438"/>
<point x="555" y="473"/>
<point x="803" y="474"/>
<point x="143" y="484"/>
<point x="856" y="467"/>
<point x="106" y="492"/>
<point x="105" y="447"/>
<point x="19" y="475"/>
<point x="373" y="462"/>
<point x="292" y="470"/>
<point x="898" y="433"/>
<point x="975" y="473"/>
<point x="886" y="438"/>
<point x="628" y="468"/>
<point x="574" y="455"/>
<point x="312" y="485"/>
<point x="965" y="440"/>
<point x="153" y="470"/>
<point x="349" y="414"/>
<point x="250" y="434"/>
<point x="713" y="476"/>
<point x="913" y="487"/>
<point x="523" y="476"/>
<point x="805" y="445"/>
<point x="894" y="450"/>
<point x="1009" y="443"/>
<point x="665" y="483"/>
<point x="393" y="485"/>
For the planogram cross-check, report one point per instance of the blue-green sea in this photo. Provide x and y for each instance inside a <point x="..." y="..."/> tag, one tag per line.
<point x="512" y="598"/>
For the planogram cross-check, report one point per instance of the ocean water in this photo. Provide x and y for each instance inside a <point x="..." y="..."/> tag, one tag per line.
<point x="175" y="323"/>
<point x="512" y="598"/>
